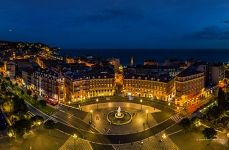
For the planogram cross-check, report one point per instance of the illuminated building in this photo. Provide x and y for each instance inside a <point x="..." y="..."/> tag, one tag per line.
<point x="150" y="63"/>
<point x="3" y="68"/>
<point x="46" y="83"/>
<point x="70" y="60"/>
<point x="82" y="86"/>
<point x="189" y="84"/>
<point x="217" y="73"/>
<point x="40" y="62"/>
<point x="155" y="82"/>
<point x="149" y="86"/>
<point x="132" y="61"/>
<point x="214" y="73"/>
<point x="11" y="69"/>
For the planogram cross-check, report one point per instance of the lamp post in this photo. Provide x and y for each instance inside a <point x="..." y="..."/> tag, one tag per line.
<point x="164" y="136"/>
<point x="141" y="103"/>
<point x="74" y="137"/>
<point x="91" y="111"/>
<point x="10" y="134"/>
<point x="147" y="117"/>
<point x="97" y="100"/>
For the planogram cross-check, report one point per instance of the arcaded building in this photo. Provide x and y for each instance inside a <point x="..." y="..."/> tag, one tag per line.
<point x="149" y="86"/>
<point x="83" y="85"/>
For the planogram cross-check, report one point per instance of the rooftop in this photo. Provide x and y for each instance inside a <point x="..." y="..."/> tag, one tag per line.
<point x="188" y="72"/>
<point x="154" y="77"/>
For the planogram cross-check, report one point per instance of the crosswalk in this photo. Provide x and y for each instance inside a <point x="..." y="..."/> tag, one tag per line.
<point x="177" y="118"/>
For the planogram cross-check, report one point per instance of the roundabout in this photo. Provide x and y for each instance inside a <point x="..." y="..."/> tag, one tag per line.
<point x="119" y="117"/>
<point x="133" y="118"/>
<point x="106" y="123"/>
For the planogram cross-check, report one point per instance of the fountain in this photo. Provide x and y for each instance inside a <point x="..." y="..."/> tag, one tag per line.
<point x="119" y="111"/>
<point x="119" y="117"/>
<point x="119" y="114"/>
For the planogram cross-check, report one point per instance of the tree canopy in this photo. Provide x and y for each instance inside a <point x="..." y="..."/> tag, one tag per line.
<point x="22" y="126"/>
<point x="50" y="124"/>
<point x="185" y="123"/>
<point x="221" y="97"/>
<point x="209" y="133"/>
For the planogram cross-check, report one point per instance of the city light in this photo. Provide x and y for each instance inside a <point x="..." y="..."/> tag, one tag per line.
<point x="164" y="136"/>
<point x="74" y="136"/>
<point x="91" y="97"/>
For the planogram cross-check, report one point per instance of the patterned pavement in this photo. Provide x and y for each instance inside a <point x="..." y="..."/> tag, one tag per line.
<point x="77" y="144"/>
<point x="152" y="143"/>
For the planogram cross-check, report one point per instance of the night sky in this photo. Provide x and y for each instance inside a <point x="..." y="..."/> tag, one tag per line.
<point x="117" y="23"/>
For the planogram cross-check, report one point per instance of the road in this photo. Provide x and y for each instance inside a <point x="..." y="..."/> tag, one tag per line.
<point x="68" y="123"/>
<point x="115" y="139"/>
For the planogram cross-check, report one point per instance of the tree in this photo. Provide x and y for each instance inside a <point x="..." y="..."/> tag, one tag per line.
<point x="50" y="124"/>
<point x="8" y="106"/>
<point x="42" y="103"/>
<point x="7" y="78"/>
<point x="185" y="123"/>
<point x="22" y="92"/>
<point x="3" y="87"/>
<point x="29" y="92"/>
<point x="221" y="98"/>
<point x="195" y="122"/>
<point x="213" y="113"/>
<point x="209" y="133"/>
<point x="22" y="126"/>
<point x="19" y="105"/>
<point x="11" y="131"/>
<point x="37" y="120"/>
<point x="35" y="97"/>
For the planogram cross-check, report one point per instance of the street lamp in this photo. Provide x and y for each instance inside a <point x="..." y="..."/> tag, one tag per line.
<point x="147" y="116"/>
<point x="141" y="103"/>
<point x="164" y="136"/>
<point x="91" y="111"/>
<point x="74" y="137"/>
<point x="97" y="100"/>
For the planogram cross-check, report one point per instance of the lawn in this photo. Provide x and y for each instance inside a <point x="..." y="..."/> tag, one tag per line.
<point x="40" y="140"/>
<point x="161" y="116"/>
<point x="192" y="140"/>
<point x="46" y="109"/>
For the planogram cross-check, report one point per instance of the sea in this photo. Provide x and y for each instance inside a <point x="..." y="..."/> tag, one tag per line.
<point x="160" y="55"/>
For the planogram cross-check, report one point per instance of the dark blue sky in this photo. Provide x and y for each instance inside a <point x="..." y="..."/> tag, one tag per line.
<point x="117" y="23"/>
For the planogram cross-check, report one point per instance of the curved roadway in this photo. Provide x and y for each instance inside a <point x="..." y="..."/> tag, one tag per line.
<point x="85" y="131"/>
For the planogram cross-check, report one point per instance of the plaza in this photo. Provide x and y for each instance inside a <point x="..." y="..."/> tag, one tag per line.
<point x="142" y="119"/>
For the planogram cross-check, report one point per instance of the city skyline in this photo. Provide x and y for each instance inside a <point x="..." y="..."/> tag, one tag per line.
<point x="117" y="24"/>
<point x="114" y="74"/>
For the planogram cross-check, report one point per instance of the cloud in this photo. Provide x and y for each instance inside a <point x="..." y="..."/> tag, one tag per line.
<point x="110" y="15"/>
<point x="210" y="33"/>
